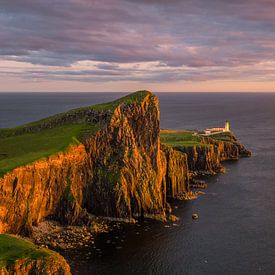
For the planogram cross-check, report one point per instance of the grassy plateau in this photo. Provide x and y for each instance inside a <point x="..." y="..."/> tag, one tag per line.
<point x="180" y="138"/>
<point x="226" y="136"/>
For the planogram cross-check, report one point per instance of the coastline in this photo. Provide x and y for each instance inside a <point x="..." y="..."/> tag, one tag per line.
<point x="181" y="164"/>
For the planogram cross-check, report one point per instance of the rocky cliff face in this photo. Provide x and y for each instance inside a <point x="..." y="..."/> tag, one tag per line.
<point x="202" y="159"/>
<point x="206" y="159"/>
<point x="49" y="187"/>
<point x="177" y="172"/>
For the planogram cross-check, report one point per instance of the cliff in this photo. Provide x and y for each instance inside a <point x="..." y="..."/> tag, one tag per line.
<point x="126" y="171"/>
<point x="205" y="154"/>
<point x="177" y="172"/>
<point x="116" y="171"/>
<point x="202" y="159"/>
<point x="111" y="163"/>
<point x="18" y="256"/>
<point x="47" y="187"/>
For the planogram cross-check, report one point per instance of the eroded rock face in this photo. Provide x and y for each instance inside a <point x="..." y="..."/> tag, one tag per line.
<point x="177" y="172"/>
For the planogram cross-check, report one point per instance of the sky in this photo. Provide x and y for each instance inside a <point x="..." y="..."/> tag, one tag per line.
<point x="127" y="45"/>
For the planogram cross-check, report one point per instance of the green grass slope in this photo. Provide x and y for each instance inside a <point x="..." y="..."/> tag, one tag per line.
<point x="226" y="136"/>
<point x="180" y="138"/>
<point x="18" y="150"/>
<point x="13" y="248"/>
<point x="18" y="147"/>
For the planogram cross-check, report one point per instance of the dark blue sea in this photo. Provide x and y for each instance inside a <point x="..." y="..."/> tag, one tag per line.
<point x="235" y="232"/>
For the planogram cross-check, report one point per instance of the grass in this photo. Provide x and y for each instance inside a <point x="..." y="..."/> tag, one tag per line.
<point x="128" y="99"/>
<point x="187" y="138"/>
<point x="13" y="248"/>
<point x="222" y="136"/>
<point x="180" y="138"/>
<point x="18" y="150"/>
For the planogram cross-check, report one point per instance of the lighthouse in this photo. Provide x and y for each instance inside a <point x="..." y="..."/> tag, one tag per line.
<point x="226" y="127"/>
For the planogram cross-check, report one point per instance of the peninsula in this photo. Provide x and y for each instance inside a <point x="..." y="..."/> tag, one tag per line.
<point x="109" y="160"/>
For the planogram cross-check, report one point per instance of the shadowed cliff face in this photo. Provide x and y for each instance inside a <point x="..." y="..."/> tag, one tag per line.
<point x="176" y="176"/>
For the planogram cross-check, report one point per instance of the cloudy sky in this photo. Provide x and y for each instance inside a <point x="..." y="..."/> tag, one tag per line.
<point x="125" y="45"/>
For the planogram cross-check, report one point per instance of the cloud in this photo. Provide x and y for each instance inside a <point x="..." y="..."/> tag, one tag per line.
<point x="176" y="40"/>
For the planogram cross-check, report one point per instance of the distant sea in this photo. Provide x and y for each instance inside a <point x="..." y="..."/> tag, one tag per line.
<point x="235" y="232"/>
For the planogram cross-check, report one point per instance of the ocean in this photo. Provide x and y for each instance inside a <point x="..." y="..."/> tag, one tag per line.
<point x="235" y="232"/>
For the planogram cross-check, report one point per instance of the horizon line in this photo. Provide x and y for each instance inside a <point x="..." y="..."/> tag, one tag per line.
<point x="179" y="92"/>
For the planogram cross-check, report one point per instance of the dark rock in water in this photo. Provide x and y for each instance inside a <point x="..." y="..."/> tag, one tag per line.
<point x="173" y="218"/>
<point x="195" y="183"/>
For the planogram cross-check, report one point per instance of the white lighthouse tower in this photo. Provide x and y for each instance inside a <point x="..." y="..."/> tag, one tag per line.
<point x="226" y="127"/>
